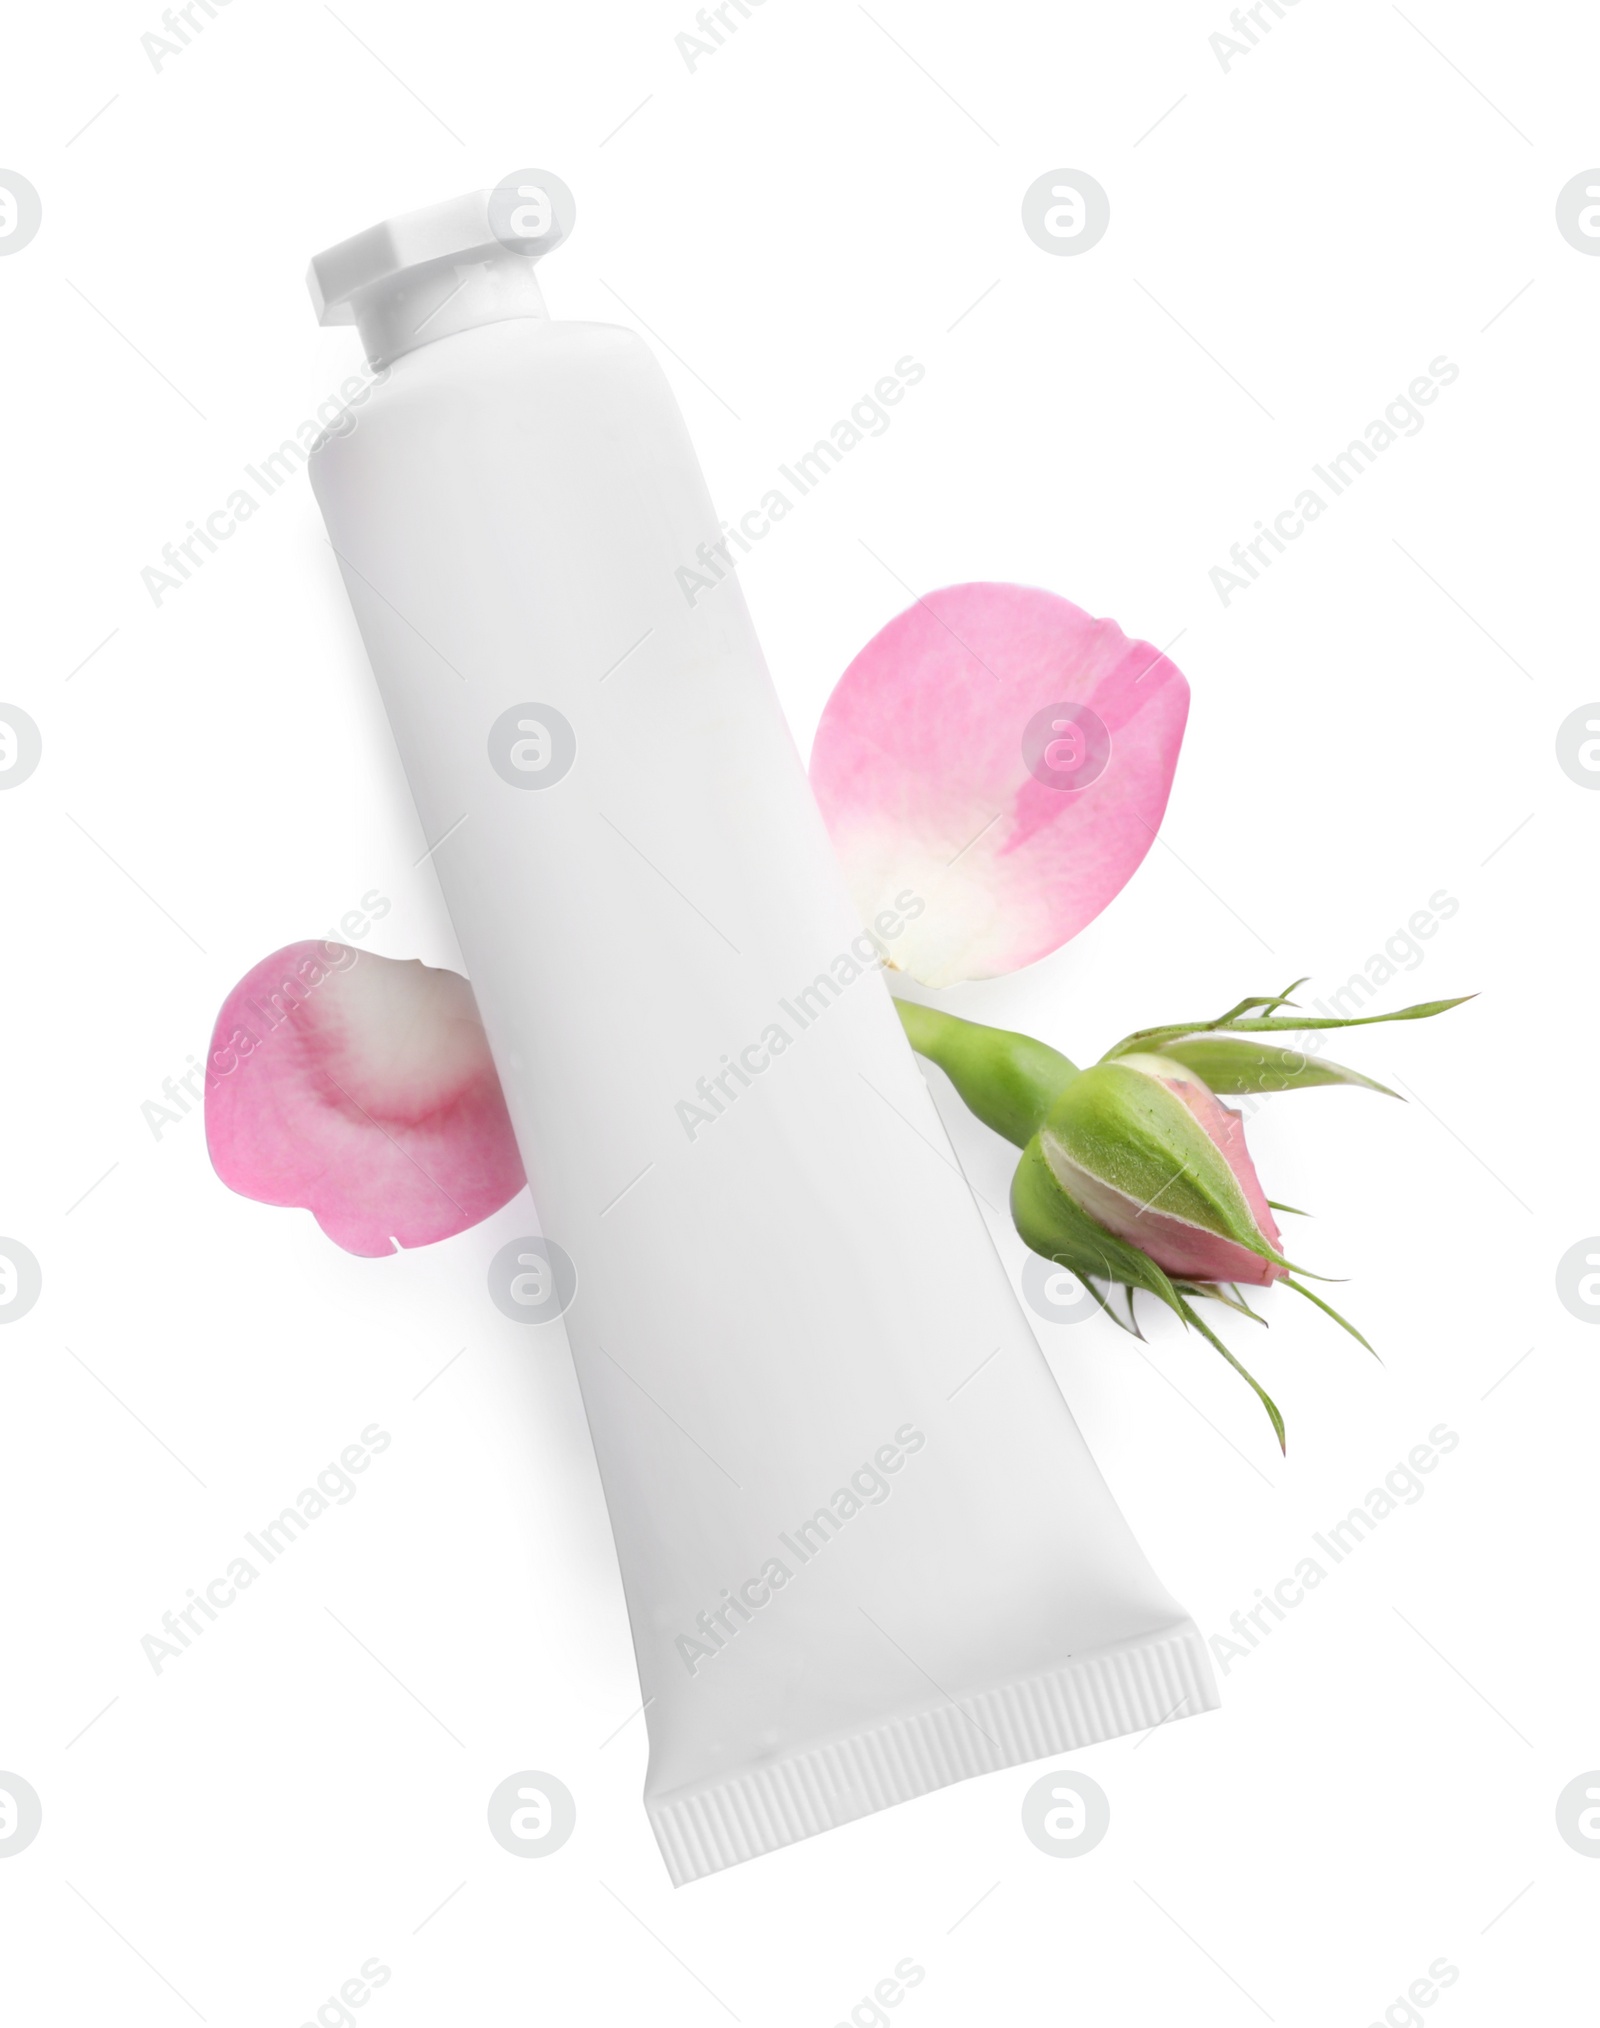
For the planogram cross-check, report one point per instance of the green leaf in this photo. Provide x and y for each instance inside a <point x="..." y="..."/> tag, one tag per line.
<point x="1231" y="1063"/>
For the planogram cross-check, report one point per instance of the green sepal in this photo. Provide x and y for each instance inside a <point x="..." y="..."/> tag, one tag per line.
<point x="1053" y="1226"/>
<point x="1237" y="1023"/>
<point x="1328" y="1310"/>
<point x="1213" y="1293"/>
<point x="1266" y="1400"/>
<point x="1120" y="1127"/>
<point x="1009" y="1080"/>
<point x="1130" y="1323"/>
<point x="1230" y="1063"/>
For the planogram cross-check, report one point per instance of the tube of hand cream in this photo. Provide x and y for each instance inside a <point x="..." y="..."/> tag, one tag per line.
<point x="864" y="1549"/>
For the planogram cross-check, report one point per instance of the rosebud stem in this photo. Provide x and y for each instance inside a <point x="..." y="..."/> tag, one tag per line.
<point x="1009" y="1080"/>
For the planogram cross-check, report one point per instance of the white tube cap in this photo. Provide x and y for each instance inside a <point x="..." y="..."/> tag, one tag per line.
<point x="415" y="264"/>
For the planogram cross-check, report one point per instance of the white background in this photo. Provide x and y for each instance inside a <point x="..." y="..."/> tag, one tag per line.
<point x="1374" y="721"/>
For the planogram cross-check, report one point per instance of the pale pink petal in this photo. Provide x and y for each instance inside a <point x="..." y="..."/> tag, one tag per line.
<point x="918" y="766"/>
<point x="1190" y="1254"/>
<point x="1188" y="1251"/>
<point x="361" y="1088"/>
<point x="1226" y="1127"/>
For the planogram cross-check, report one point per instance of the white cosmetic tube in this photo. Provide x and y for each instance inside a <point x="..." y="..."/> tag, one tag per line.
<point x="864" y="1549"/>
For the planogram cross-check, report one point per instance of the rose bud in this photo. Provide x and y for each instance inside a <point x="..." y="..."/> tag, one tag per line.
<point x="1133" y="1171"/>
<point x="1150" y="1153"/>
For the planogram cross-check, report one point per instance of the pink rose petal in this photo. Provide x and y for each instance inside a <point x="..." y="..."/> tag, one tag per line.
<point x="1225" y="1126"/>
<point x="918" y="766"/>
<point x="361" y="1088"/>
<point x="1188" y="1251"/>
